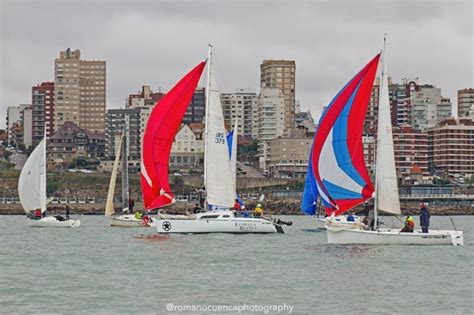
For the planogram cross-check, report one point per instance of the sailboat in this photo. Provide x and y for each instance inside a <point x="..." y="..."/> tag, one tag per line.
<point x="219" y="180"/>
<point x="126" y="219"/>
<point x="32" y="191"/>
<point x="337" y="171"/>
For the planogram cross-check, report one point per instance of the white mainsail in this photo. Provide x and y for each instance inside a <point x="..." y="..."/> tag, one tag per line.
<point x="218" y="178"/>
<point x="32" y="181"/>
<point x="109" y="206"/>
<point x="387" y="199"/>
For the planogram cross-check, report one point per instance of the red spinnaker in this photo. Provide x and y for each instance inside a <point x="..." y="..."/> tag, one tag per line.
<point x="160" y="131"/>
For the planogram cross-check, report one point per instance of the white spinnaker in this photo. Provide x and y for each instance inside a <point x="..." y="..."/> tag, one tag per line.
<point x="32" y="181"/>
<point x="109" y="206"/>
<point x="386" y="175"/>
<point x="219" y="182"/>
<point x="233" y="155"/>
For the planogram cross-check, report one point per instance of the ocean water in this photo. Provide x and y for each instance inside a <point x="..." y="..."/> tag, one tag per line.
<point x="97" y="269"/>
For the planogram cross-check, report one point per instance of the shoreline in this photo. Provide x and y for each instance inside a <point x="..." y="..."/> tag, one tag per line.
<point x="271" y="207"/>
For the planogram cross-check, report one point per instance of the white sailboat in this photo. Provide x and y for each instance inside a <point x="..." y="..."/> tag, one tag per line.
<point x="126" y="219"/>
<point x="219" y="180"/>
<point x="32" y="191"/>
<point x="386" y="192"/>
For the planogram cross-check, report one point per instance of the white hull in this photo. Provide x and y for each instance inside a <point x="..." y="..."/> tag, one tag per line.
<point x="129" y="220"/>
<point x="394" y="237"/>
<point x="222" y="222"/>
<point x="53" y="222"/>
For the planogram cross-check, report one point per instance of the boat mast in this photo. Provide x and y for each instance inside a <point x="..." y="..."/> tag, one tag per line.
<point x="43" y="186"/>
<point x="206" y="127"/>
<point x="377" y="140"/>
<point x="125" y="192"/>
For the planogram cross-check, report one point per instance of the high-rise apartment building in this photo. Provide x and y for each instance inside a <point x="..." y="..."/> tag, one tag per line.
<point x="428" y="107"/>
<point x="272" y="114"/>
<point x="420" y="106"/>
<point x="42" y="102"/>
<point x="270" y="121"/>
<point x="451" y="147"/>
<point x="197" y="107"/>
<point x="466" y="102"/>
<point x="281" y="74"/>
<point x="411" y="150"/>
<point x="145" y="100"/>
<point x="27" y="124"/>
<point x="80" y="93"/>
<point x="118" y="121"/>
<point x="240" y="105"/>
<point x="19" y="124"/>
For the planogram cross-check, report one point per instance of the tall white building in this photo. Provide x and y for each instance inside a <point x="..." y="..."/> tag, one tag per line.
<point x="27" y="122"/>
<point x="428" y="107"/>
<point x="271" y="116"/>
<point x="240" y="105"/>
<point x="15" y="118"/>
<point x="466" y="103"/>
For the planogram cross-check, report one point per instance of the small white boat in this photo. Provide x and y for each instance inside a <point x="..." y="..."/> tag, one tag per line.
<point x="219" y="221"/>
<point x="51" y="221"/>
<point x="393" y="237"/>
<point x="32" y="190"/>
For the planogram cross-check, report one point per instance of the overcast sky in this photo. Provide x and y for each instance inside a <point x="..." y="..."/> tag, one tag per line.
<point x="156" y="42"/>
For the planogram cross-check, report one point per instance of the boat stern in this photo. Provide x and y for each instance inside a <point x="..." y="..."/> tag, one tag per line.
<point x="457" y="238"/>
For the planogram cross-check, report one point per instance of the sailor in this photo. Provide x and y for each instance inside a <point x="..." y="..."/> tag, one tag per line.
<point x="131" y="204"/>
<point x="424" y="218"/>
<point x="146" y="219"/>
<point x="258" y="211"/>
<point x="370" y="219"/>
<point x="202" y="197"/>
<point x="237" y="206"/>
<point x="350" y="217"/>
<point x="138" y="215"/>
<point x="409" y="224"/>
<point x="196" y="208"/>
<point x="38" y="214"/>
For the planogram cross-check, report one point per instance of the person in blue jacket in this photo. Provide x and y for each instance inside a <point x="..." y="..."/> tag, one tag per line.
<point x="424" y="218"/>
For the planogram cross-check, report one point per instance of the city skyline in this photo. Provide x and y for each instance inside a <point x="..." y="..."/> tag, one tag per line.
<point x="149" y="43"/>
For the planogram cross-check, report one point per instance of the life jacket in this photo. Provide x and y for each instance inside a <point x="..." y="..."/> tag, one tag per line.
<point x="410" y="222"/>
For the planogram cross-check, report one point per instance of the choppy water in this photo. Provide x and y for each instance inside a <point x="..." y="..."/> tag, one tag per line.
<point x="99" y="269"/>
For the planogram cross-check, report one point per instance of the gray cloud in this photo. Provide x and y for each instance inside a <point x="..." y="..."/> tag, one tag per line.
<point x="156" y="42"/>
